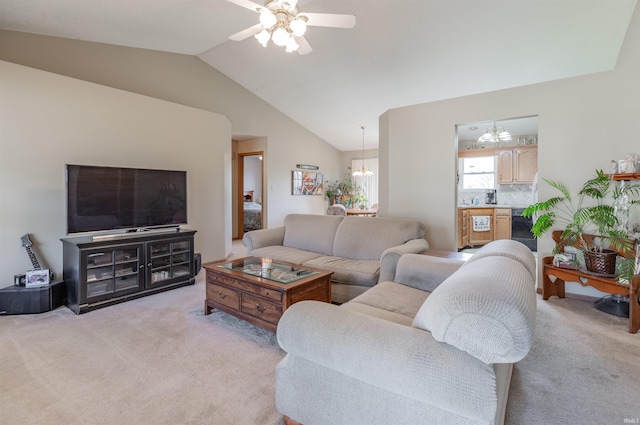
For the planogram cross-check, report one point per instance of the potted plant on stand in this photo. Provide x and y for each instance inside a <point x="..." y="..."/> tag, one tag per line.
<point x="332" y="191"/>
<point x="597" y="210"/>
<point x="344" y="191"/>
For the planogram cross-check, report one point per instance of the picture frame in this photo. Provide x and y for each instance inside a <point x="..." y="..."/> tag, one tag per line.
<point x="306" y="183"/>
<point x="37" y="278"/>
<point x="622" y="166"/>
<point x="566" y="260"/>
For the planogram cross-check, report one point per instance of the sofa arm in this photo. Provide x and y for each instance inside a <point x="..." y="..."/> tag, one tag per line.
<point x="390" y="256"/>
<point x="264" y="237"/>
<point x="425" y="272"/>
<point x="487" y="308"/>
<point x="400" y="359"/>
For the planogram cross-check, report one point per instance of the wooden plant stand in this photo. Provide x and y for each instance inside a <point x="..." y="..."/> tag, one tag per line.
<point x="609" y="285"/>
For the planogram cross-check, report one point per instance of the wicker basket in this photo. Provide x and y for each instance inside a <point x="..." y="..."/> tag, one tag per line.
<point x="601" y="262"/>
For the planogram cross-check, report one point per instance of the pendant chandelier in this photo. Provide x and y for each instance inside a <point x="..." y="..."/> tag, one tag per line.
<point x="364" y="172"/>
<point x="495" y="135"/>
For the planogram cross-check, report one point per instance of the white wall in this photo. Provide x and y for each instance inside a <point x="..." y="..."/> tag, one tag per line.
<point x="189" y="81"/>
<point x="584" y="122"/>
<point x="47" y="121"/>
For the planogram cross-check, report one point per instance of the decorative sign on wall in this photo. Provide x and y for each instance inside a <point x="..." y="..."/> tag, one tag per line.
<point x="307" y="167"/>
<point x="306" y="183"/>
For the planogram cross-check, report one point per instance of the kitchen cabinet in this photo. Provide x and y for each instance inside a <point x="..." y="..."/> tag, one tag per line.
<point x="463" y="228"/>
<point x="480" y="237"/>
<point x="517" y="166"/>
<point x="502" y="223"/>
<point x="500" y="228"/>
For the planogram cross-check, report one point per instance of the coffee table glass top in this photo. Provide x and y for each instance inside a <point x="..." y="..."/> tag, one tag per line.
<point x="278" y="272"/>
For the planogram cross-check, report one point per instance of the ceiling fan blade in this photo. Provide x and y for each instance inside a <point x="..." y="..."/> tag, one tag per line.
<point x="247" y="4"/>
<point x="329" y="20"/>
<point x="304" y="48"/>
<point x="246" y="33"/>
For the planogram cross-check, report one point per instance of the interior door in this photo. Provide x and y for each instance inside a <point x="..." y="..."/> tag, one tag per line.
<point x="250" y="180"/>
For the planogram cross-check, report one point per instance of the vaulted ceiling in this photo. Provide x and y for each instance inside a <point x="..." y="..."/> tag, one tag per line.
<point x="400" y="52"/>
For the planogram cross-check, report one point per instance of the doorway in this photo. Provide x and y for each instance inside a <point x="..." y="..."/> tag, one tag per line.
<point x="495" y="177"/>
<point x="250" y="193"/>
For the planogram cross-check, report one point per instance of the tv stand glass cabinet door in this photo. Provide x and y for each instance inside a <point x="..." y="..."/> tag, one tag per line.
<point x="110" y="272"/>
<point x="168" y="260"/>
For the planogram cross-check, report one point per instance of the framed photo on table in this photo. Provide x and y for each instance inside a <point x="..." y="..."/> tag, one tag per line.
<point x="37" y="278"/>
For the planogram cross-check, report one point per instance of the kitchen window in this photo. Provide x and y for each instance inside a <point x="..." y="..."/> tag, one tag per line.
<point x="478" y="172"/>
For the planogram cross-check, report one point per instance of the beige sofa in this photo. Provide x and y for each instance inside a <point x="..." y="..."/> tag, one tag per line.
<point x="434" y="345"/>
<point x="355" y="249"/>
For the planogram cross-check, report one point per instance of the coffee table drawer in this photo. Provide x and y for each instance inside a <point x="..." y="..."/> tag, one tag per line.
<point x="246" y="286"/>
<point x="269" y="293"/>
<point x="224" y="296"/>
<point x="261" y="308"/>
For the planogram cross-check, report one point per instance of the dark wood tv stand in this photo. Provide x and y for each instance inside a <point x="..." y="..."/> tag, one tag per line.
<point x="121" y="267"/>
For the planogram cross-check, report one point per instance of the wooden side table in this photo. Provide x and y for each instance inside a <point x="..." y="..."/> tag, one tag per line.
<point x="359" y="212"/>
<point x="609" y="285"/>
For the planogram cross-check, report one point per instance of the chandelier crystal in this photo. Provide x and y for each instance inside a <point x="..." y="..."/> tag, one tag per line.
<point x="495" y="135"/>
<point x="363" y="172"/>
<point x="280" y="23"/>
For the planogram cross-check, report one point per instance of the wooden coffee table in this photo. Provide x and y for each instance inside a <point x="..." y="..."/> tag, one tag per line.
<point x="237" y="287"/>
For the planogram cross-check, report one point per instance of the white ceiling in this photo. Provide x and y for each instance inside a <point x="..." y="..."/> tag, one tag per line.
<point x="401" y="52"/>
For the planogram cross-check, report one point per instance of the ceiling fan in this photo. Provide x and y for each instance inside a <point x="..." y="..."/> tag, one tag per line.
<point x="282" y="23"/>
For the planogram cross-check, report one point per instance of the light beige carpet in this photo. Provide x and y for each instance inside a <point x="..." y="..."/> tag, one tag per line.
<point x="159" y="360"/>
<point x="155" y="360"/>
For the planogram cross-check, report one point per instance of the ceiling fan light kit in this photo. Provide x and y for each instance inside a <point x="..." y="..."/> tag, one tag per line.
<point x="282" y="23"/>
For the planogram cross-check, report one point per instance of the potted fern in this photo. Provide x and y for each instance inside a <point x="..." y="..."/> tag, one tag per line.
<point x="595" y="210"/>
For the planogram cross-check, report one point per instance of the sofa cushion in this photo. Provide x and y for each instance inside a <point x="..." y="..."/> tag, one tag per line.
<point x="285" y="253"/>
<point x="487" y="308"/>
<point x="346" y="271"/>
<point x="424" y="272"/>
<point x="390" y="301"/>
<point x="309" y="232"/>
<point x="366" y="238"/>
<point x="341" y="293"/>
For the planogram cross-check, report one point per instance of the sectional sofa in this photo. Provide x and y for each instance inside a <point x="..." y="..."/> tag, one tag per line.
<point x="355" y="249"/>
<point x="433" y="345"/>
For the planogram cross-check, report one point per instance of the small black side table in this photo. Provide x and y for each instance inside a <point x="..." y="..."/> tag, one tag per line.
<point x="23" y="300"/>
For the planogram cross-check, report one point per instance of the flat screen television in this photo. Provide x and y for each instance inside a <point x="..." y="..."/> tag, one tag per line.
<point x="114" y="198"/>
